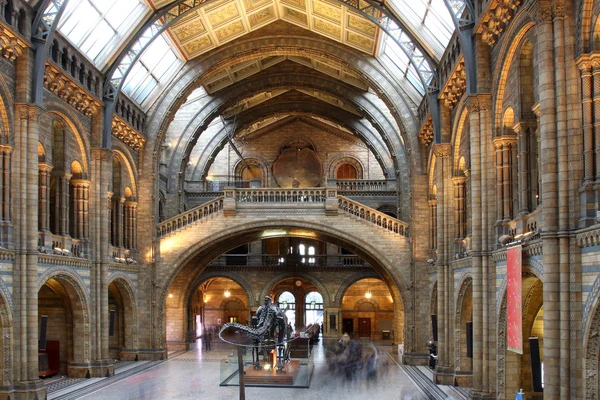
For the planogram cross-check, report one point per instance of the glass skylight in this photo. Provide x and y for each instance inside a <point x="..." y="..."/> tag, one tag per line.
<point x="430" y="19"/>
<point x="153" y="69"/>
<point x="97" y="26"/>
<point x="398" y="63"/>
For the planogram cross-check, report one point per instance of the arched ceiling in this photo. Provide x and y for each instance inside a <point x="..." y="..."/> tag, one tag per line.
<point x="246" y="54"/>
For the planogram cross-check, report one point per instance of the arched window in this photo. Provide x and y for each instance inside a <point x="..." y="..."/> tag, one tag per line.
<point x="313" y="308"/>
<point x="287" y="302"/>
<point x="346" y="171"/>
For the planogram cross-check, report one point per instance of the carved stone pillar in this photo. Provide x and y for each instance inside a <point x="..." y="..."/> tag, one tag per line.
<point x="44" y="200"/>
<point x="460" y="205"/>
<point x="130" y="224"/>
<point x="120" y="221"/>
<point x="504" y="188"/>
<point x="588" y="123"/>
<point x="61" y="201"/>
<point x="81" y="198"/>
<point x="432" y="226"/>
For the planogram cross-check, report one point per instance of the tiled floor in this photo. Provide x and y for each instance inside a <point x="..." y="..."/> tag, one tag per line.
<point x="195" y="375"/>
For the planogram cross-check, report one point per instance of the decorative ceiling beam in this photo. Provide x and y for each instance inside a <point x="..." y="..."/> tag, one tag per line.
<point x="42" y="32"/>
<point x="161" y="19"/>
<point x="463" y="17"/>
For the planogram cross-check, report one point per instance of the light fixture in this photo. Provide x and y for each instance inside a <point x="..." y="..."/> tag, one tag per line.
<point x="170" y="295"/>
<point x="227" y="293"/>
<point x="368" y="294"/>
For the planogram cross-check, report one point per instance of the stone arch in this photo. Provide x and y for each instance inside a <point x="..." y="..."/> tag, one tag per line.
<point x="129" y="164"/>
<point x="592" y="353"/>
<point x="339" y="295"/>
<point x="389" y="209"/>
<point x="6" y="339"/>
<point x="235" y="300"/>
<point x="125" y="288"/>
<point x="41" y="153"/>
<point x="508" y="121"/>
<point x="6" y="111"/>
<point x="67" y="117"/>
<point x="197" y="256"/>
<point x="517" y="30"/>
<point x="340" y="160"/>
<point x="204" y="276"/>
<point x="459" y="350"/>
<point x="458" y="128"/>
<point x="252" y="161"/>
<point x="358" y="305"/>
<point x="78" y="295"/>
<point x="286" y="275"/>
<point x="501" y="360"/>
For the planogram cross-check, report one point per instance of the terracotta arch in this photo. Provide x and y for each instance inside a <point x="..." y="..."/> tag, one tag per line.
<point x="286" y="275"/>
<point x="6" y="369"/>
<point x="66" y="116"/>
<point x="591" y="348"/>
<point x="78" y="296"/>
<point x="197" y="257"/>
<point x="125" y="288"/>
<point x="337" y="162"/>
<point x="339" y="295"/>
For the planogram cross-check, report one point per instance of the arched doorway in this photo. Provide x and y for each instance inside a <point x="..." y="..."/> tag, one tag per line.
<point x="287" y="302"/>
<point x="368" y="310"/>
<point x="346" y="172"/>
<point x="463" y="347"/>
<point x="122" y="333"/>
<point x="520" y="374"/>
<point x="290" y="293"/>
<point x="62" y="300"/>
<point x="215" y="302"/>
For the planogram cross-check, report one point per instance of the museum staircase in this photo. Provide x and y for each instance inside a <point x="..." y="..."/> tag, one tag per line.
<point x="320" y="211"/>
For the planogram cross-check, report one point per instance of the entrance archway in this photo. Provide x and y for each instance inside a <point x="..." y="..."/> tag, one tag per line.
<point x="178" y="273"/>
<point x="62" y="299"/>
<point x="368" y="310"/>
<point x="519" y="375"/>
<point x="122" y="313"/>
<point x="463" y="321"/>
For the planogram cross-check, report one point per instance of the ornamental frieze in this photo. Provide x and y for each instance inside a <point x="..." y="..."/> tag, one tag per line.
<point x="495" y="18"/>
<point x="125" y="132"/>
<point x="11" y="46"/>
<point x="69" y="90"/>
<point x="456" y="85"/>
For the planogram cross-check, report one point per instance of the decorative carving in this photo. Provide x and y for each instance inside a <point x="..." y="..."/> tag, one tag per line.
<point x="69" y="90"/>
<point x="456" y="85"/>
<point x="127" y="134"/>
<point x="592" y="349"/>
<point x="501" y="349"/>
<point x="442" y="150"/>
<point x="426" y="133"/>
<point x="11" y="46"/>
<point x="495" y="18"/>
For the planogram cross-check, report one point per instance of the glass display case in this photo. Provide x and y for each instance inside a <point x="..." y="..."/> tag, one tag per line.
<point x="296" y="372"/>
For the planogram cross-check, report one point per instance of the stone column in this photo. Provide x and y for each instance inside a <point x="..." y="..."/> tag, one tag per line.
<point x="81" y="189"/>
<point x="120" y="222"/>
<point x="445" y="226"/>
<point x="586" y="191"/>
<point x="504" y="174"/>
<point x="101" y="175"/>
<point x="542" y="14"/>
<point x="130" y="224"/>
<point x="44" y="194"/>
<point x="6" y="224"/>
<point x="460" y="206"/>
<point x="25" y="283"/>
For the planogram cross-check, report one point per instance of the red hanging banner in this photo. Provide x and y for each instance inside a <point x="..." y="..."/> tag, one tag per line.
<point x="514" y="301"/>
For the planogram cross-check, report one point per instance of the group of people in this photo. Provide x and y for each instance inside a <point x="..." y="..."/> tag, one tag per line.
<point x="349" y="358"/>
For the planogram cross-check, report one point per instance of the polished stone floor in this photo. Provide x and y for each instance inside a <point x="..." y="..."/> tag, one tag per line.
<point x="195" y="375"/>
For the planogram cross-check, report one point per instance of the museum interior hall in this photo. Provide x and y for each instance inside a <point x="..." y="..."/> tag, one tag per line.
<point x="303" y="199"/>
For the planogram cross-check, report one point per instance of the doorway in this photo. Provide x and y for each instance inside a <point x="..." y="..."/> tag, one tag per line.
<point x="348" y="326"/>
<point x="364" y="327"/>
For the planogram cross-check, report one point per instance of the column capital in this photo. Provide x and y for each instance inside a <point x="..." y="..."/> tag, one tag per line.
<point x="458" y="179"/>
<point x="501" y="141"/>
<point x="80" y="183"/>
<point x="29" y="112"/>
<point x="442" y="149"/>
<point x="110" y="195"/>
<point x="6" y="148"/>
<point x="477" y="102"/>
<point x="130" y="203"/>
<point x="540" y="13"/>
<point x="522" y="126"/>
<point x="46" y="167"/>
<point x="101" y="154"/>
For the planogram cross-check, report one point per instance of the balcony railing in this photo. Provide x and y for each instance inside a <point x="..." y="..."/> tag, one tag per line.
<point x="371" y="215"/>
<point x="364" y="185"/>
<point x="294" y="260"/>
<point x="309" y="195"/>
<point x="195" y="214"/>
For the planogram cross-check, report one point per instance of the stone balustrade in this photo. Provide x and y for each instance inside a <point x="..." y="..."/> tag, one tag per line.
<point x="251" y="200"/>
<point x="197" y="213"/>
<point x="361" y="185"/>
<point x="373" y="216"/>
